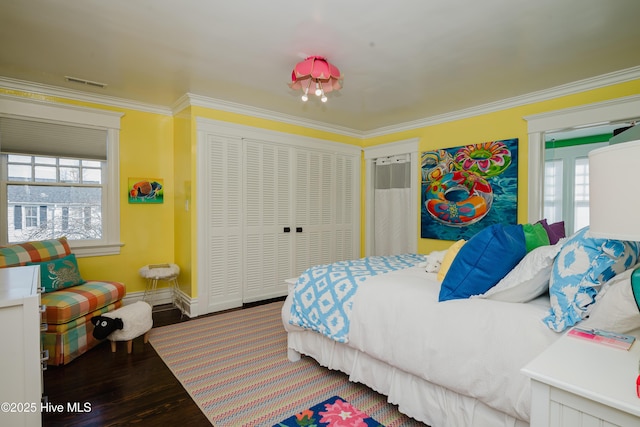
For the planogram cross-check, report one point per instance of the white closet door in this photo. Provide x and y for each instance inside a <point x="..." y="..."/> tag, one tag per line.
<point x="224" y="270"/>
<point x="346" y="200"/>
<point x="267" y="210"/>
<point x="314" y="208"/>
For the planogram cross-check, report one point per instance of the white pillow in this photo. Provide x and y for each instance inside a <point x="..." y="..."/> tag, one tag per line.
<point x="615" y="308"/>
<point x="529" y="279"/>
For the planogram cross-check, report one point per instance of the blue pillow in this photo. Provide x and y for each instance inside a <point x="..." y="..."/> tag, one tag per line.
<point x="583" y="264"/>
<point x="483" y="261"/>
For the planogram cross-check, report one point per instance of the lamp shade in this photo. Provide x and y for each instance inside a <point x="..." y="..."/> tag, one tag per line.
<point x="317" y="75"/>
<point x="614" y="191"/>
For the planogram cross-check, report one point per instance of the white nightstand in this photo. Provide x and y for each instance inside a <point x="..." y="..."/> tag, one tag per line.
<point x="581" y="383"/>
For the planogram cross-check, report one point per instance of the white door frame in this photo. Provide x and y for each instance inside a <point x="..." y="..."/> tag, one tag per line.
<point x="391" y="149"/>
<point x="614" y="110"/>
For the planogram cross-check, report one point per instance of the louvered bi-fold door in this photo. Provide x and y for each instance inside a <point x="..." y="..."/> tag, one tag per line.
<point x="345" y="200"/>
<point x="314" y="209"/>
<point x="224" y="231"/>
<point x="269" y="210"/>
<point x="268" y="223"/>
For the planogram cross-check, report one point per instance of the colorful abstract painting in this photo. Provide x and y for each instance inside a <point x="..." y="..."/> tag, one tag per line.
<point x="145" y="190"/>
<point x="467" y="188"/>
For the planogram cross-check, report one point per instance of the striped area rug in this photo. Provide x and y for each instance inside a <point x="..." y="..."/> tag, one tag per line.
<point x="235" y="367"/>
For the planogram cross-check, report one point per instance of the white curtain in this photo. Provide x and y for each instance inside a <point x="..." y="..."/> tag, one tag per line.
<point x="392" y="196"/>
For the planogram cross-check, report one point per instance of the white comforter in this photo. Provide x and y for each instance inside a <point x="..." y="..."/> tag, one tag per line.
<point x="475" y="347"/>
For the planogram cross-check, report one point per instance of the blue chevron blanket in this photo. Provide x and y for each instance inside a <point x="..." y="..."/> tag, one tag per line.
<point x="323" y="295"/>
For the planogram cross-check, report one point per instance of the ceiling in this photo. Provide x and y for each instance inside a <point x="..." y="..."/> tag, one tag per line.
<point x="402" y="61"/>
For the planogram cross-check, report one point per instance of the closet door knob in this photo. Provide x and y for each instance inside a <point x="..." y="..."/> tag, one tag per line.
<point x="287" y="229"/>
<point x="298" y="229"/>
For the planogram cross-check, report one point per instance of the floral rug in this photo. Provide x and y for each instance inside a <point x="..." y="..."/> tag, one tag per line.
<point x="333" y="412"/>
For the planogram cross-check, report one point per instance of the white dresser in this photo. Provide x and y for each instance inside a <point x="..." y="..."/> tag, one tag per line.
<point x="581" y="383"/>
<point x="20" y="347"/>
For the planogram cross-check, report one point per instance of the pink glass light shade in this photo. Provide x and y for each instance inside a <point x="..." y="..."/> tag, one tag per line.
<point x="316" y="70"/>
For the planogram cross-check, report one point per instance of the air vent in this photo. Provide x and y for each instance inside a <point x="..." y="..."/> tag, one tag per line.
<point x="85" y="82"/>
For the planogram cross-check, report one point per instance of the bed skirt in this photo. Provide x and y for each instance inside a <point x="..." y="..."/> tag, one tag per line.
<point x="429" y="403"/>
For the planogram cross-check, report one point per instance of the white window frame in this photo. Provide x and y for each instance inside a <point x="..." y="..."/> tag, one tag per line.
<point x="614" y="110"/>
<point x="31" y="109"/>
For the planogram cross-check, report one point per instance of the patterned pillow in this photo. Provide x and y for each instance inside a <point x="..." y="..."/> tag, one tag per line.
<point x="35" y="251"/>
<point x="59" y="273"/>
<point x="583" y="264"/>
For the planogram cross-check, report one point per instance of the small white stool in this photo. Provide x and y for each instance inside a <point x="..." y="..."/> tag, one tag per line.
<point x="167" y="272"/>
<point x="137" y="320"/>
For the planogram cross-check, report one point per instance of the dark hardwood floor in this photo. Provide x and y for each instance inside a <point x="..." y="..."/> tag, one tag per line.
<point x="120" y="389"/>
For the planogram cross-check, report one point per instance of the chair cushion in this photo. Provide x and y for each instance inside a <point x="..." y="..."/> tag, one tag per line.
<point x="68" y="304"/>
<point x="36" y="251"/>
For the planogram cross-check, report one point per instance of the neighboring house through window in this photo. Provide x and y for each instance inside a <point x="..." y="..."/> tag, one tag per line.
<point x="59" y="175"/>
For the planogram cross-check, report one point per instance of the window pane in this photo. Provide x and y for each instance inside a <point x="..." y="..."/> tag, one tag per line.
<point x="69" y="174"/>
<point x="91" y="176"/>
<point x="54" y="211"/>
<point x="19" y="172"/>
<point x="45" y="173"/>
<point x="45" y="160"/>
<point x="553" y="190"/>
<point x="91" y="164"/>
<point x="15" y="158"/>
<point x="581" y="193"/>
<point x="69" y="162"/>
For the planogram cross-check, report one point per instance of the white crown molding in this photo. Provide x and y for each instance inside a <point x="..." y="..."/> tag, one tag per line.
<point x="517" y="101"/>
<point x="217" y="104"/>
<point x="19" y="106"/>
<point x="76" y="95"/>
<point x="241" y="131"/>
<point x="610" y="110"/>
<point x="190" y="99"/>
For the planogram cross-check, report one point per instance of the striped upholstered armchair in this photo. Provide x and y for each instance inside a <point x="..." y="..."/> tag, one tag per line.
<point x="70" y="300"/>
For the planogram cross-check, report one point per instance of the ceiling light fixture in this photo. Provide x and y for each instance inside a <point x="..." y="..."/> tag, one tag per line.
<point x="315" y="70"/>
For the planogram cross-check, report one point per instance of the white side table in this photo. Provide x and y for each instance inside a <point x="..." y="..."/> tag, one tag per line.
<point x="156" y="272"/>
<point x="581" y="383"/>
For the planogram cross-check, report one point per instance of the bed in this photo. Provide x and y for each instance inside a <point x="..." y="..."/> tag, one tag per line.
<point x="446" y="363"/>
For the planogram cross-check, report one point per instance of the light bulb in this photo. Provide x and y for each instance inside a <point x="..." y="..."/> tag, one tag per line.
<point x="324" y="98"/>
<point x="305" y="98"/>
<point x="318" y="89"/>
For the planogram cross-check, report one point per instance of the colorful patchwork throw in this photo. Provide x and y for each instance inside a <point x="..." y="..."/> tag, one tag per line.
<point x="333" y="412"/>
<point x="323" y="295"/>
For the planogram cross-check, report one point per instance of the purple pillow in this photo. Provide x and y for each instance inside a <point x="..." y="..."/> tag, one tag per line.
<point x="555" y="231"/>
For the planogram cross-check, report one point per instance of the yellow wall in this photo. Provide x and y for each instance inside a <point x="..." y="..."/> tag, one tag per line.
<point x="160" y="146"/>
<point x="503" y="124"/>
<point x="147" y="231"/>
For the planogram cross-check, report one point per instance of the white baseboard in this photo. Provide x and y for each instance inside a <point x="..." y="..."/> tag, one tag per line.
<point x="163" y="296"/>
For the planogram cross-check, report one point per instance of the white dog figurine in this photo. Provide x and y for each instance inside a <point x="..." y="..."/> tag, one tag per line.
<point x="434" y="260"/>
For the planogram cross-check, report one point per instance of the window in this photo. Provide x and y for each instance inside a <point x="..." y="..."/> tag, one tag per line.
<point x="54" y="197"/>
<point x="59" y="175"/>
<point x="566" y="185"/>
<point x="553" y="190"/>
